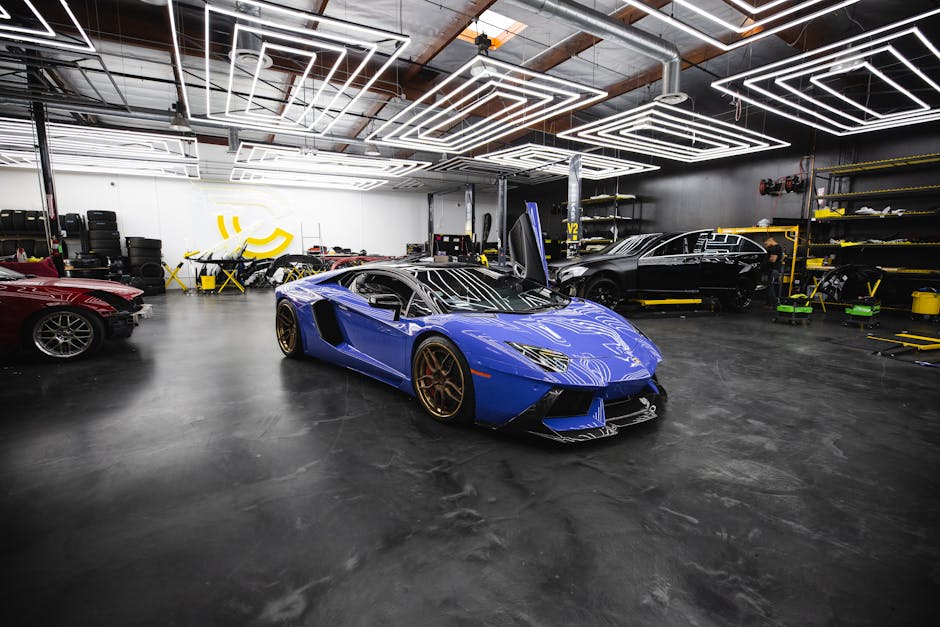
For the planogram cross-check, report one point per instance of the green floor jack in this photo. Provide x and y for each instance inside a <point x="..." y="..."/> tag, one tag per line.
<point x="866" y="310"/>
<point x="795" y="309"/>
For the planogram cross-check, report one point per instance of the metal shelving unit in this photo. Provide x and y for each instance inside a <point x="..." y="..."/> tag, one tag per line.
<point x="866" y="238"/>
<point x="601" y="229"/>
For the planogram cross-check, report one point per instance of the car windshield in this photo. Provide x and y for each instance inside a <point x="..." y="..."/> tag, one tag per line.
<point x="482" y="290"/>
<point x="631" y="245"/>
<point x="9" y="275"/>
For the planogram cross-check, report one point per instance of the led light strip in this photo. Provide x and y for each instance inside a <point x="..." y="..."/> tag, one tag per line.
<point x="261" y="176"/>
<point x="771" y="87"/>
<point x="103" y="165"/>
<point x="468" y="166"/>
<point x="669" y="132"/>
<point x="761" y="26"/>
<point x="88" y="149"/>
<point x="281" y="25"/>
<point x="294" y="159"/>
<point x="555" y="160"/>
<point x="46" y="37"/>
<point x="521" y="98"/>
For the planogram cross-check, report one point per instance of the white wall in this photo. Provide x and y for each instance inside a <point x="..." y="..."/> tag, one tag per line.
<point x="184" y="213"/>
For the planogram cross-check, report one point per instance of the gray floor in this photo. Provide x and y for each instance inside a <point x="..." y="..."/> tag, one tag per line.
<point x="191" y="476"/>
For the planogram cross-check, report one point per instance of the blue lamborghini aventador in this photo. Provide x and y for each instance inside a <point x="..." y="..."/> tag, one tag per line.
<point x="499" y="349"/>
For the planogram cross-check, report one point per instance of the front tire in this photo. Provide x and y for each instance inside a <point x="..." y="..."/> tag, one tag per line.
<point x="287" y="330"/>
<point x="740" y="299"/>
<point x="441" y="379"/>
<point x="66" y="334"/>
<point x="602" y="291"/>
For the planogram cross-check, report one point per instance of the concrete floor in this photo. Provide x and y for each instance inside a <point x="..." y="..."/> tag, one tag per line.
<point x="191" y="476"/>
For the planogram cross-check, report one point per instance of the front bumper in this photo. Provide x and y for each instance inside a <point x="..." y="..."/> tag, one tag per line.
<point x="121" y="324"/>
<point x="603" y="418"/>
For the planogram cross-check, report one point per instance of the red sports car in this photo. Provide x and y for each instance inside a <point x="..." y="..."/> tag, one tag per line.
<point x="64" y="319"/>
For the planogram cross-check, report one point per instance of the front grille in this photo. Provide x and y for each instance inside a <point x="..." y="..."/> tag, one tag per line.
<point x="628" y="411"/>
<point x="571" y="403"/>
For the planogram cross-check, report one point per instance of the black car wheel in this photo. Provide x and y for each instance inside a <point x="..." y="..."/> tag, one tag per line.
<point x="740" y="298"/>
<point x="442" y="381"/>
<point x="66" y="333"/>
<point x="288" y="330"/>
<point x="603" y="291"/>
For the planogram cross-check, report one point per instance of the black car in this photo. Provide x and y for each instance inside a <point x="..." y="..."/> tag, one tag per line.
<point x="667" y="265"/>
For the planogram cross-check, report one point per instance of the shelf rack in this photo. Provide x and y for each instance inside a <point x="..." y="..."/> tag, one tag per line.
<point x="613" y="203"/>
<point x="907" y="265"/>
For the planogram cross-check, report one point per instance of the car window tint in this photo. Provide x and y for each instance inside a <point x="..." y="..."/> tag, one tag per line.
<point x="377" y="284"/>
<point x="718" y="243"/>
<point x="417" y="307"/>
<point x="683" y="245"/>
<point x="750" y="246"/>
<point x="474" y="289"/>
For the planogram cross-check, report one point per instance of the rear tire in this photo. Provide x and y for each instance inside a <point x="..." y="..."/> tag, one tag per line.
<point x="287" y="330"/>
<point x="442" y="381"/>
<point x="602" y="291"/>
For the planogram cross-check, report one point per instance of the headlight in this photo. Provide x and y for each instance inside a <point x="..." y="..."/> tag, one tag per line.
<point x="566" y="274"/>
<point x="547" y="359"/>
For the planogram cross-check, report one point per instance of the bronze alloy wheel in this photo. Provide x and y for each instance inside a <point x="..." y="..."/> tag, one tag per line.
<point x="439" y="379"/>
<point x="285" y="325"/>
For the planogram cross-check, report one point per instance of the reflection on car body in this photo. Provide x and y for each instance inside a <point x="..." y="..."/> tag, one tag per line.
<point x="667" y="265"/>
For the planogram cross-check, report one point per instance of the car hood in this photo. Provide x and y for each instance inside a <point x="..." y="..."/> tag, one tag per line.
<point x="601" y="345"/>
<point x="82" y="285"/>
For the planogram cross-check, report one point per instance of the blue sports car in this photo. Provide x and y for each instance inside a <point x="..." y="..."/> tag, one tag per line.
<point x="499" y="349"/>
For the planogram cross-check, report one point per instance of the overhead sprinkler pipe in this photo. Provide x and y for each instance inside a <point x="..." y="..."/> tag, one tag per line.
<point x="603" y="26"/>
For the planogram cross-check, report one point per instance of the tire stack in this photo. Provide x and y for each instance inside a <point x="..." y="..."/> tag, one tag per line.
<point x="144" y="257"/>
<point x="89" y="266"/>
<point x="104" y="239"/>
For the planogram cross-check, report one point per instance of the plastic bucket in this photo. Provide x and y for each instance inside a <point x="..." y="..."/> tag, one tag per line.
<point x="208" y="282"/>
<point x="926" y="303"/>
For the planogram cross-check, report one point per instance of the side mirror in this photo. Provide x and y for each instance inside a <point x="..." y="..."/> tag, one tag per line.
<point x="387" y="301"/>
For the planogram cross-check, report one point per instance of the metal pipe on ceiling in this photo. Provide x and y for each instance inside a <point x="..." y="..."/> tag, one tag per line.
<point x="601" y="25"/>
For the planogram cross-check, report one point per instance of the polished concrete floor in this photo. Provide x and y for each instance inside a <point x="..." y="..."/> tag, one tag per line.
<point x="191" y="476"/>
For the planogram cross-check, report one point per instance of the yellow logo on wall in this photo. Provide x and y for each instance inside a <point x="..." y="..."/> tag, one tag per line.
<point x="276" y="243"/>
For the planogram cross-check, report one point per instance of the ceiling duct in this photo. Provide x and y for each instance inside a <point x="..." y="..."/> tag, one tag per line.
<point x="248" y="45"/>
<point x="603" y="26"/>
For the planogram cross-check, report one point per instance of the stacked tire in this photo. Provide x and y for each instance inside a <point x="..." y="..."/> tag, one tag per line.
<point x="104" y="239"/>
<point x="89" y="266"/>
<point x="145" y="256"/>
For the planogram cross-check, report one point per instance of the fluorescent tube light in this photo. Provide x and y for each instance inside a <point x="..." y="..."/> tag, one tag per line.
<point x="661" y="130"/>
<point x="260" y="176"/>
<point x="897" y="57"/>
<point x="787" y="15"/>
<point x="465" y="110"/>
<point x="294" y="159"/>
<point x="555" y="160"/>
<point x="312" y="37"/>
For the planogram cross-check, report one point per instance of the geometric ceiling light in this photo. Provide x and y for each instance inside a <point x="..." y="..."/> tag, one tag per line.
<point x="669" y="132"/>
<point x="725" y="27"/>
<point x="89" y="149"/>
<point x="468" y="166"/>
<point x="28" y="27"/>
<point x="335" y="63"/>
<point x="884" y="78"/>
<point x="482" y="101"/>
<point x="555" y="160"/>
<point x="295" y="159"/>
<point x="263" y="176"/>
